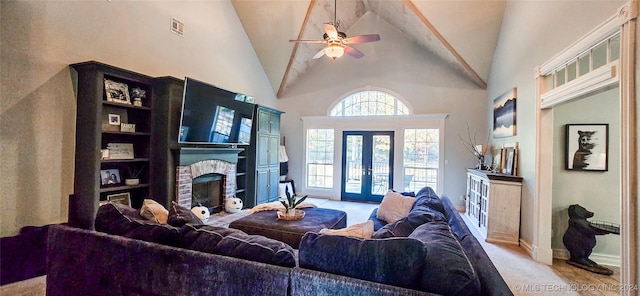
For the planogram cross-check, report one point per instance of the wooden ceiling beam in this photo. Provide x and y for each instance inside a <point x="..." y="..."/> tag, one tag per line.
<point x="472" y="73"/>
<point x="285" y="78"/>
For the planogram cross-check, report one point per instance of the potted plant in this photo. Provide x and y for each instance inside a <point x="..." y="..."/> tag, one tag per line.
<point x="133" y="174"/>
<point x="291" y="202"/>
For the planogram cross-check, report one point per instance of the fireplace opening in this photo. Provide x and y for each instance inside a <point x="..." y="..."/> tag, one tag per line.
<point x="207" y="192"/>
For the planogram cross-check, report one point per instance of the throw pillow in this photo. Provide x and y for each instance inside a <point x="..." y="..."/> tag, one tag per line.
<point x="362" y="230"/>
<point x="179" y="216"/>
<point x="283" y="188"/>
<point x="153" y="211"/>
<point x="447" y="269"/>
<point x="392" y="261"/>
<point x="394" y="206"/>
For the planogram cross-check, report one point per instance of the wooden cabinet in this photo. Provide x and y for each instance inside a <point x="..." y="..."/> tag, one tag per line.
<point x="493" y="205"/>
<point x="105" y="103"/>
<point x="262" y="163"/>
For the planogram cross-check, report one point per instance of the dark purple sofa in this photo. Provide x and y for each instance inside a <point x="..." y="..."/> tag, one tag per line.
<point x="84" y="262"/>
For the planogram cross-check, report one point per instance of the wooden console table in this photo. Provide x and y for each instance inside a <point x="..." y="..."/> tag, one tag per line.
<point x="493" y="205"/>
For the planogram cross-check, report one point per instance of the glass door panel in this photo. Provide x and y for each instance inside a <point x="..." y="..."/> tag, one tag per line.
<point x="367" y="165"/>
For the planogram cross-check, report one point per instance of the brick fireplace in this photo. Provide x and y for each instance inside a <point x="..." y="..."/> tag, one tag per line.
<point x="198" y="163"/>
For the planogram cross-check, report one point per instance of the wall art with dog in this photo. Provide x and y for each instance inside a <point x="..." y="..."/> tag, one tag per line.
<point x="587" y="147"/>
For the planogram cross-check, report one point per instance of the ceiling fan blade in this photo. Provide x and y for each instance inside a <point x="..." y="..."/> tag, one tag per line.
<point x="319" y="54"/>
<point x="362" y="39"/>
<point x="353" y="52"/>
<point x="331" y="31"/>
<point x="308" y="41"/>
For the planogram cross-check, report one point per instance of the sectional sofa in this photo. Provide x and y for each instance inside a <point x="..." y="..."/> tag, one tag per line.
<point x="439" y="256"/>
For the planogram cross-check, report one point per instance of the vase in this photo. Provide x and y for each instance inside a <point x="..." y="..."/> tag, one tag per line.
<point x="291" y="212"/>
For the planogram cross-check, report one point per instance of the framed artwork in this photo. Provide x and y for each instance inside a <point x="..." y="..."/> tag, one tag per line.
<point x="121" y="198"/>
<point x="110" y="177"/>
<point x="510" y="158"/>
<point x="587" y="147"/>
<point x="114" y="119"/>
<point x="498" y="161"/>
<point x="120" y="150"/>
<point x="504" y="115"/>
<point x="117" y="92"/>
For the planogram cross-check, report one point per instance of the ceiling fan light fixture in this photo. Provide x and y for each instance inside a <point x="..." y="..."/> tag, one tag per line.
<point x="334" y="51"/>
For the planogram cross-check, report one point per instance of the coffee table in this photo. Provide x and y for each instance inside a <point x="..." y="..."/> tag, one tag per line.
<point x="266" y="223"/>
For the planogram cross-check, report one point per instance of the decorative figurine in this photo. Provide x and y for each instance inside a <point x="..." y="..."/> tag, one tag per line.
<point x="580" y="238"/>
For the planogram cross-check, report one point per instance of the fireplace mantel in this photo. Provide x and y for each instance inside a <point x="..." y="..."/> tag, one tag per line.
<point x="191" y="155"/>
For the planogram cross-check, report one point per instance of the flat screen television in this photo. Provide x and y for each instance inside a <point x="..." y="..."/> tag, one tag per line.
<point x="211" y="115"/>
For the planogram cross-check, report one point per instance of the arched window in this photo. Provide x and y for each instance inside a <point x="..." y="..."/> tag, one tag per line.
<point x="369" y="103"/>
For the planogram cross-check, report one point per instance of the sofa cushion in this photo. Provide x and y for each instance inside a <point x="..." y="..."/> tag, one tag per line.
<point x="153" y="211"/>
<point x="361" y="230"/>
<point x="394" y="206"/>
<point x="448" y="270"/>
<point x="256" y="248"/>
<point x="118" y="219"/>
<point x="393" y="261"/>
<point x="203" y="238"/>
<point x="427" y="198"/>
<point x="236" y="243"/>
<point x="179" y="216"/>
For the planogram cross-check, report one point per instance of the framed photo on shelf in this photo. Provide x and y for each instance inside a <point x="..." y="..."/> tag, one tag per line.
<point x="117" y="92"/>
<point x="587" y="147"/>
<point x="498" y="161"/>
<point x="114" y="119"/>
<point x="510" y="158"/>
<point x="121" y="198"/>
<point x="110" y="177"/>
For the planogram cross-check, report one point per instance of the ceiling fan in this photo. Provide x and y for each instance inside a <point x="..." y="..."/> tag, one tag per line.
<point x="337" y="42"/>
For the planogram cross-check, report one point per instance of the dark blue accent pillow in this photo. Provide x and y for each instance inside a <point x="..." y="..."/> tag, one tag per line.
<point x="400" y="228"/>
<point x="117" y="219"/>
<point x="179" y="216"/>
<point x="393" y="261"/>
<point x="256" y="248"/>
<point x="447" y="270"/>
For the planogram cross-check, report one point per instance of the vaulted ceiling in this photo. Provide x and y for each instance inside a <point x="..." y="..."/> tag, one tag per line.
<point x="462" y="33"/>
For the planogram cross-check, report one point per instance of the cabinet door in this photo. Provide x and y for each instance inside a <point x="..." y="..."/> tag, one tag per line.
<point x="262" y="186"/>
<point x="264" y="121"/>
<point x="274" y="180"/>
<point x="275" y="124"/>
<point x="273" y="151"/>
<point x="262" y="151"/>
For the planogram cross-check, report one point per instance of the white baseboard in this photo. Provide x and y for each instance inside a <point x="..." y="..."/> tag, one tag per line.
<point x="527" y="247"/>
<point x="602" y="259"/>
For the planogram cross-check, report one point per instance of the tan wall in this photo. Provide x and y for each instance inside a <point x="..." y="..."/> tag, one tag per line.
<point x="37" y="103"/>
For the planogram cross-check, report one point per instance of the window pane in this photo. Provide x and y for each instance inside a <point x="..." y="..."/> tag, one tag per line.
<point x="571" y="71"/>
<point x="615" y="48"/>
<point x="599" y="55"/>
<point x="370" y="103"/>
<point x="320" y="158"/>
<point x="421" y="158"/>
<point x="560" y="77"/>
<point x="583" y="65"/>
